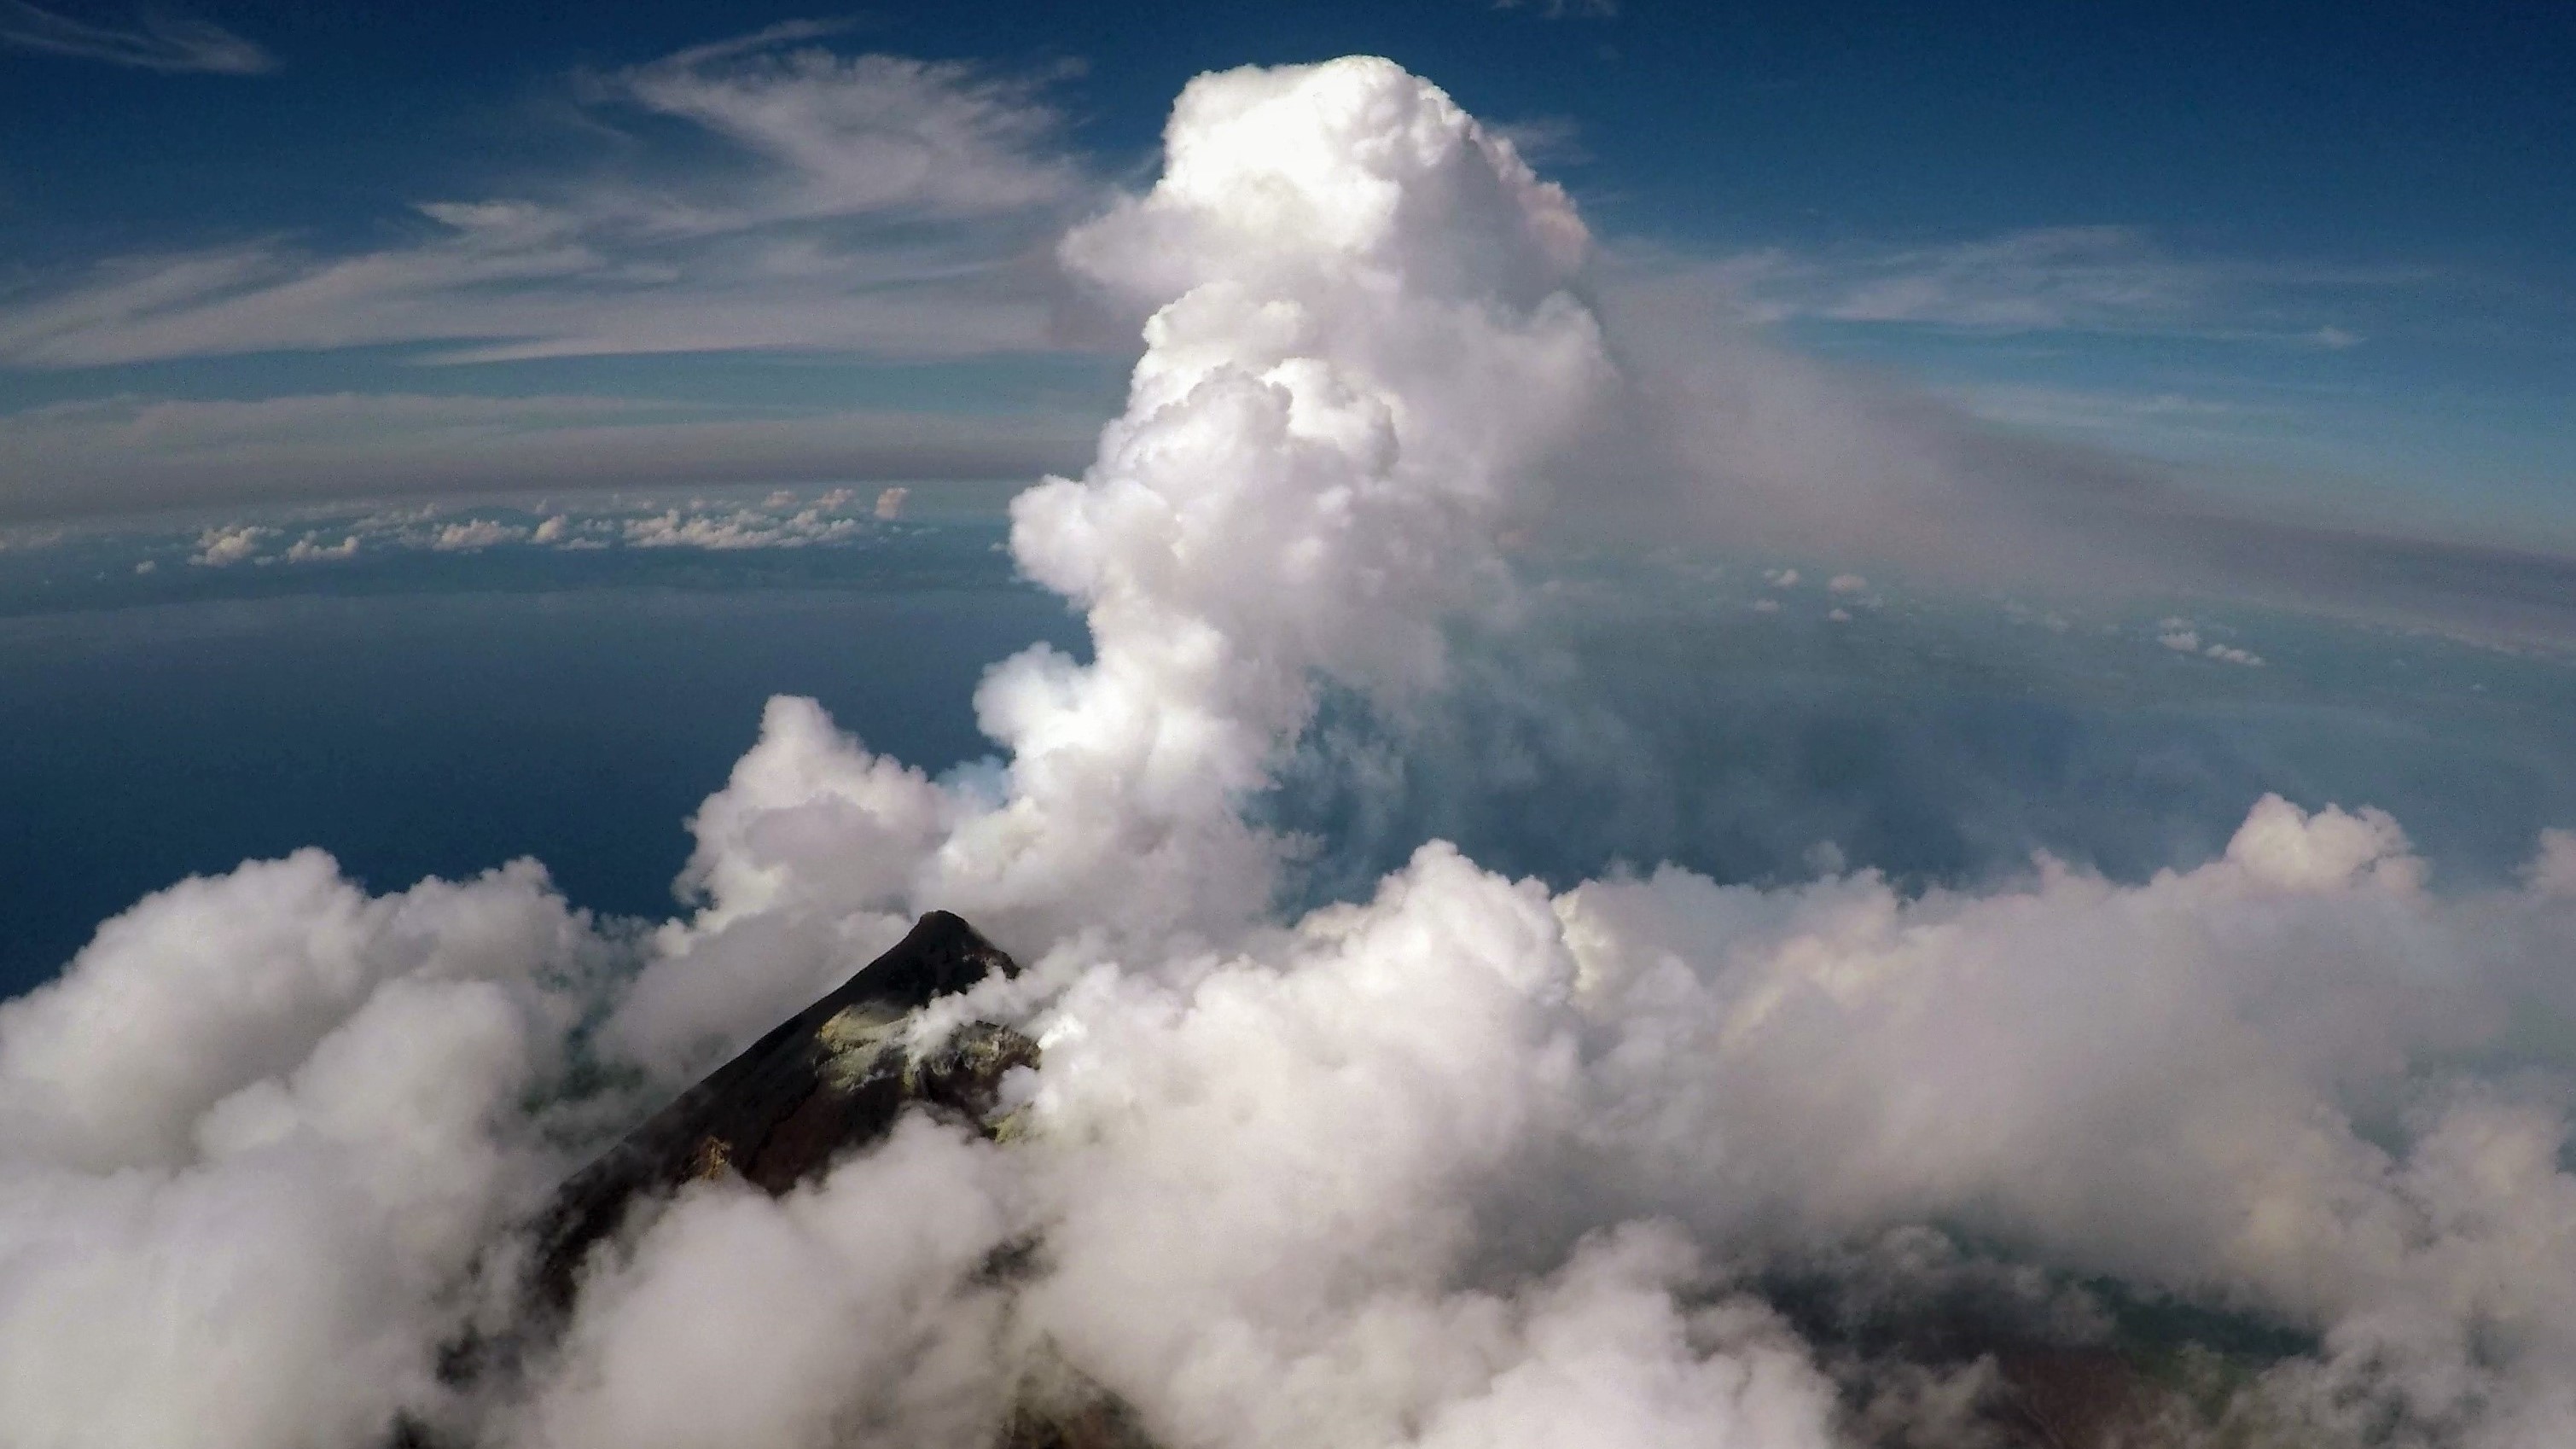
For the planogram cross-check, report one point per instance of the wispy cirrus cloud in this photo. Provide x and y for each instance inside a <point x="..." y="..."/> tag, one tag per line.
<point x="2099" y="278"/>
<point x="2123" y="416"/>
<point x="873" y="204"/>
<point x="154" y="40"/>
<point x="1561" y="9"/>
<point x="856" y="135"/>
<point x="2059" y="277"/>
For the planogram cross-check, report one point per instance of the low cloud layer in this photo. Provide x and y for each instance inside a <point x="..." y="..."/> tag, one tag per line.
<point x="1465" y="1161"/>
<point x="67" y="458"/>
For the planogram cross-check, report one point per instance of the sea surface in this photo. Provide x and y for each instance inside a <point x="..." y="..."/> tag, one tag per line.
<point x="461" y="715"/>
<point x="420" y="713"/>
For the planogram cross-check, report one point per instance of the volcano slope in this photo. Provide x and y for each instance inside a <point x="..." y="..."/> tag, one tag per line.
<point x="828" y="1081"/>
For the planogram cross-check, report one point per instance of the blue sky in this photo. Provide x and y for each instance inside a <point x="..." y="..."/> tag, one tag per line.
<point x="2322" y="257"/>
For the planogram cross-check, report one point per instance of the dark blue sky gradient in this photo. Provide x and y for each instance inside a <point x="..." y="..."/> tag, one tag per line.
<point x="2382" y="127"/>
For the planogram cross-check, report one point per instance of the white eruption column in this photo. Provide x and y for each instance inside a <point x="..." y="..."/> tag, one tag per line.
<point x="1361" y="355"/>
<point x="1462" y="1164"/>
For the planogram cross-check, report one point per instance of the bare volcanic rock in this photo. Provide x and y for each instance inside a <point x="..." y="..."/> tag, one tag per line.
<point x="829" y="1080"/>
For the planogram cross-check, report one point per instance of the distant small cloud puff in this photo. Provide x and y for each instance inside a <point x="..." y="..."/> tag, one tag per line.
<point x="475" y="533"/>
<point x="2179" y="637"/>
<point x="310" y="549"/>
<point x="223" y="547"/>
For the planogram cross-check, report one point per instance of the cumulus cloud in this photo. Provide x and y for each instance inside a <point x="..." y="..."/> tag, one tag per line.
<point x="1462" y="1161"/>
<point x="268" y="1109"/>
<point x="2296" y="979"/>
<point x="743" y="528"/>
<point x="849" y="1305"/>
<point x="474" y="534"/>
<point x="2179" y="636"/>
<point x="311" y="549"/>
<point x="723" y="522"/>
<point x="2002" y="1063"/>
<point x="223" y="546"/>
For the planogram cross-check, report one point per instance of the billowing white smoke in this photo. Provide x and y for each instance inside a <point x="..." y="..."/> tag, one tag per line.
<point x="1362" y="357"/>
<point x="1462" y="1164"/>
<point x="253" y="1138"/>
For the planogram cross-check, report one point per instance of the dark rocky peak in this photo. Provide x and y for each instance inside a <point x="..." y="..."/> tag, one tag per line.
<point x="827" y="1081"/>
<point x="831" y="1080"/>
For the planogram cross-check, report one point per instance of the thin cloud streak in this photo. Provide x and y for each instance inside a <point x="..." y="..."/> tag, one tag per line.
<point x="104" y="456"/>
<point x="1564" y="9"/>
<point x="2134" y="418"/>
<point x="171" y="44"/>
<point x="2083" y="279"/>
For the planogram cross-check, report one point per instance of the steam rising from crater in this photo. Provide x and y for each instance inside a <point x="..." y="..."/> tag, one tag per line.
<point x="1362" y="356"/>
<point x="1463" y="1163"/>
